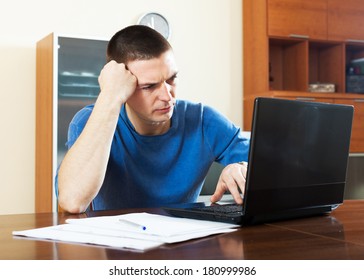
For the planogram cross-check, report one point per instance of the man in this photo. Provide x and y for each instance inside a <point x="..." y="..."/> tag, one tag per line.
<point x="138" y="146"/>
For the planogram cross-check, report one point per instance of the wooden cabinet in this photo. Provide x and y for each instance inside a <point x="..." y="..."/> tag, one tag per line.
<point x="357" y="135"/>
<point x="297" y="18"/>
<point x="345" y="20"/>
<point x="67" y="70"/>
<point x="277" y="64"/>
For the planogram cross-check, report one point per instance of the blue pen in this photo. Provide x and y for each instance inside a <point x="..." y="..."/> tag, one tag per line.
<point x="136" y="225"/>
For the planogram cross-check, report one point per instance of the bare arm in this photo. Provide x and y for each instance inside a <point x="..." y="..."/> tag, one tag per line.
<point x="83" y="169"/>
<point x="232" y="179"/>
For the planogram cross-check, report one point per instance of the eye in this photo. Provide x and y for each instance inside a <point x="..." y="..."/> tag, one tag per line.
<point x="172" y="80"/>
<point x="148" y="87"/>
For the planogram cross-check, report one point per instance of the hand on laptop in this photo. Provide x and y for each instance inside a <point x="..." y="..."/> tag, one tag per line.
<point x="232" y="179"/>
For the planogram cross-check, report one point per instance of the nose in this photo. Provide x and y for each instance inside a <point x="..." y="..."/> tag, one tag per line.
<point x="166" y="92"/>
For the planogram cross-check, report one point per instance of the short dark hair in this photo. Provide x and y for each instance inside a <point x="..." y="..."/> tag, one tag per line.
<point x="136" y="42"/>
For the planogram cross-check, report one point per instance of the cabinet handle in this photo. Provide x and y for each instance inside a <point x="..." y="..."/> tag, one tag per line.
<point x="305" y="98"/>
<point x="354" y="41"/>
<point x="299" y="36"/>
<point x="359" y="100"/>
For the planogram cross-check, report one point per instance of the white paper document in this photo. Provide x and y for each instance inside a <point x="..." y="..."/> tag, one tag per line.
<point x="137" y="231"/>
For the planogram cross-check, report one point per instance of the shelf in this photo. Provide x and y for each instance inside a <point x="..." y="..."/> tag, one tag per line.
<point x="288" y="64"/>
<point x="295" y="64"/>
<point x="326" y="64"/>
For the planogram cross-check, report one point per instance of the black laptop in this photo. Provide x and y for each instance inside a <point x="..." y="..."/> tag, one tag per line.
<point x="297" y="164"/>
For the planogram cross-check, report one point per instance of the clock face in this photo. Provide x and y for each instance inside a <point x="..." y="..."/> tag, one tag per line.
<point x="157" y="22"/>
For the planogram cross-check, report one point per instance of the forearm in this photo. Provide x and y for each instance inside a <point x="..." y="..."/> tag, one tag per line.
<point x="83" y="169"/>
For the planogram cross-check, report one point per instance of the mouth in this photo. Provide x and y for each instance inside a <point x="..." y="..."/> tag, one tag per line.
<point x="164" y="110"/>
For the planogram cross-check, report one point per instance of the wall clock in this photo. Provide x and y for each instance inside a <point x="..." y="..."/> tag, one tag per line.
<point x="157" y="22"/>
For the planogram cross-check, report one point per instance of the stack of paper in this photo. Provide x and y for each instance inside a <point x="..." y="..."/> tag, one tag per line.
<point x="138" y="231"/>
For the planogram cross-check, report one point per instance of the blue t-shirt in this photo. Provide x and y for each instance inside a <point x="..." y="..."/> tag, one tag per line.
<point x="152" y="171"/>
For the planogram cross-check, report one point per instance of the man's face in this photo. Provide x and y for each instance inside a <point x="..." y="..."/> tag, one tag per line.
<point x="152" y="104"/>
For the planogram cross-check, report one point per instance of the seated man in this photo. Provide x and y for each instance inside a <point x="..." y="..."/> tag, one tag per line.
<point x="138" y="146"/>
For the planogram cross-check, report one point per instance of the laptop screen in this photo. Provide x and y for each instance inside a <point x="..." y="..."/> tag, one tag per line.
<point x="299" y="153"/>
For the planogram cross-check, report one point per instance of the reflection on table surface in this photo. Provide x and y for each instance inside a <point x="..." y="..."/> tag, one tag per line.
<point x="339" y="235"/>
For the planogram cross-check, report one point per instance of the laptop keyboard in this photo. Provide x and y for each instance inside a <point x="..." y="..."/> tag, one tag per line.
<point x="222" y="209"/>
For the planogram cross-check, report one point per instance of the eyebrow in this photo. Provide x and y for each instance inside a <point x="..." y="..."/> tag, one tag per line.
<point x="154" y="83"/>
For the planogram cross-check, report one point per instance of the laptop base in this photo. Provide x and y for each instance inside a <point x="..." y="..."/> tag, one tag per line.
<point x="193" y="212"/>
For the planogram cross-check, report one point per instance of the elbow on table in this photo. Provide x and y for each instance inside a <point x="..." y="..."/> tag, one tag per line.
<point x="71" y="205"/>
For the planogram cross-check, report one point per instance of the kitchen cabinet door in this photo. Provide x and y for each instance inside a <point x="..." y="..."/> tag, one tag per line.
<point x="345" y="20"/>
<point x="298" y="18"/>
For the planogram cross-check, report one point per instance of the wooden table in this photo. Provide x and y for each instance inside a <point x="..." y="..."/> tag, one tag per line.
<point x="339" y="235"/>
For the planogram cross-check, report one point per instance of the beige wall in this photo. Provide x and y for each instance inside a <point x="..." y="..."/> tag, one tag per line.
<point x="206" y="36"/>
